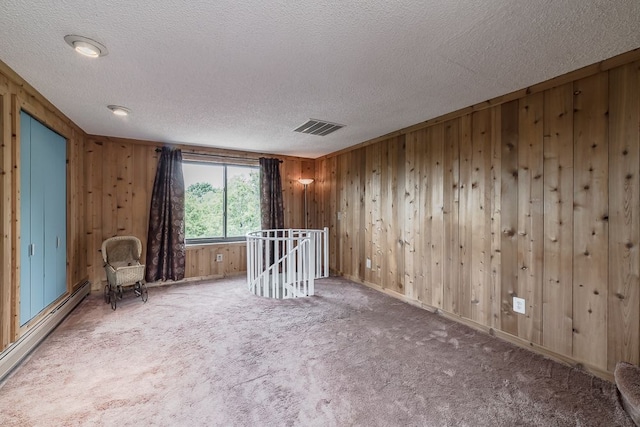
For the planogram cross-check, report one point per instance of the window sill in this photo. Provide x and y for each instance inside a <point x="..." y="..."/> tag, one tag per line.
<point x="196" y="245"/>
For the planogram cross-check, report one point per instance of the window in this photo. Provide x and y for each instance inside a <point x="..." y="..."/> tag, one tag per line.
<point x="222" y="202"/>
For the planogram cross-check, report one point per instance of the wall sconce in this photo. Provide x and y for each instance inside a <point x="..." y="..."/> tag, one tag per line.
<point x="305" y="182"/>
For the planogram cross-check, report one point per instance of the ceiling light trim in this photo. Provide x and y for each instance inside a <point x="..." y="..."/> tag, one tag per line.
<point x="86" y="46"/>
<point x="119" y="110"/>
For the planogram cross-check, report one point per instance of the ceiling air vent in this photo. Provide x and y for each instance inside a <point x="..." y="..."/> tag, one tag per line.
<point x="318" y="127"/>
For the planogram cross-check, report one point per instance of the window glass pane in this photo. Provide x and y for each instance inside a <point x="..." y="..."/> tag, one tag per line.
<point x="243" y="200"/>
<point x="204" y="200"/>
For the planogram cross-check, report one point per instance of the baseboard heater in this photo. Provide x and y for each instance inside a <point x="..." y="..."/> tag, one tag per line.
<point x="16" y="352"/>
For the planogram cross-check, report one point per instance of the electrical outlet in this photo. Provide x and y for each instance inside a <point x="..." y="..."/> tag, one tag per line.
<point x="368" y="263"/>
<point x="518" y="305"/>
<point x="219" y="257"/>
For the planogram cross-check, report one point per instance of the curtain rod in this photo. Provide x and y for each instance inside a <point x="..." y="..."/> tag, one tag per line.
<point x="224" y="156"/>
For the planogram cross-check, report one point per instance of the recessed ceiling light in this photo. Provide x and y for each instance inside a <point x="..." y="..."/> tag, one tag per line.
<point x="86" y="46"/>
<point x="119" y="110"/>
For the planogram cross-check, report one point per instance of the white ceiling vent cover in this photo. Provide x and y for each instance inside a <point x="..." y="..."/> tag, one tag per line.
<point x="318" y="127"/>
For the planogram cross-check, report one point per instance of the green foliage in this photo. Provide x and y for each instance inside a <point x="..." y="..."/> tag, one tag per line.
<point x="243" y="204"/>
<point x="199" y="189"/>
<point x="204" y="207"/>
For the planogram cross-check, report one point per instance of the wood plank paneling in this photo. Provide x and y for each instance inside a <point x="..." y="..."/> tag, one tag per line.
<point x="94" y="157"/>
<point x="624" y="216"/>
<point x="124" y="184"/>
<point x="424" y="225"/>
<point x="466" y="218"/>
<point x="496" y="209"/>
<point x="15" y="217"/>
<point x="362" y="220"/>
<point x="557" y="279"/>
<point x="145" y="161"/>
<point x="436" y="215"/>
<point x="481" y="191"/>
<point x="451" y="193"/>
<point x="389" y="218"/>
<point x="355" y="189"/>
<point x="76" y="217"/>
<point x="342" y="241"/>
<point x="307" y="170"/>
<point x="318" y="193"/>
<point x="110" y="193"/>
<point x="530" y="219"/>
<point x="351" y="266"/>
<point x="412" y="212"/>
<point x="591" y="220"/>
<point x="6" y="185"/>
<point x="370" y="222"/>
<point x="375" y="200"/>
<point x="509" y="271"/>
<point x="399" y="213"/>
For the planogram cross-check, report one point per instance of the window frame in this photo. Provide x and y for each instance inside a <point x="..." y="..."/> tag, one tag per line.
<point x="224" y="239"/>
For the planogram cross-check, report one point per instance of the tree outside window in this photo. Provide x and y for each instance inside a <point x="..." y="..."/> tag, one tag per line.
<point x="222" y="202"/>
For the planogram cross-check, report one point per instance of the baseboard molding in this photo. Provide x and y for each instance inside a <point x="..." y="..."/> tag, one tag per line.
<point x="16" y="352"/>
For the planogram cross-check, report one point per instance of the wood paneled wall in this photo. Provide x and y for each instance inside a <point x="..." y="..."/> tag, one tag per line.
<point x="201" y="260"/>
<point x="120" y="175"/>
<point x="16" y="95"/>
<point x="535" y="194"/>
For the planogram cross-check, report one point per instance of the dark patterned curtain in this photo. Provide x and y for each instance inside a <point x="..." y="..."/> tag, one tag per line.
<point x="271" y="206"/>
<point x="165" y="242"/>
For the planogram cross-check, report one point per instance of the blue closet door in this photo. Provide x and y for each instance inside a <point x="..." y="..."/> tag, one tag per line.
<point x="40" y="254"/>
<point x="61" y="217"/>
<point x="25" y="218"/>
<point x="43" y="210"/>
<point x="51" y="160"/>
<point x="55" y="218"/>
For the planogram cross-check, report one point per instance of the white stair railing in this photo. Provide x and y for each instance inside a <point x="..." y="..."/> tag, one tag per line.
<point x="285" y="263"/>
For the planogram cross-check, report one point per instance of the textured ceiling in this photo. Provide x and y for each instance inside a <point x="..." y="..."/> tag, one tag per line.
<point x="243" y="74"/>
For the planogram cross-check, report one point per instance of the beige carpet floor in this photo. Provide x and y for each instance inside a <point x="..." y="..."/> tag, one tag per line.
<point x="214" y="355"/>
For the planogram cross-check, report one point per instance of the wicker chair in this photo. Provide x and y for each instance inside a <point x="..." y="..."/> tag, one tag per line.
<point x="121" y="255"/>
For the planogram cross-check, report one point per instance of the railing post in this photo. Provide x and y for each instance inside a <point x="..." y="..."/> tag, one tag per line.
<point x="326" y="252"/>
<point x="249" y="263"/>
<point x="312" y="269"/>
<point x="290" y="266"/>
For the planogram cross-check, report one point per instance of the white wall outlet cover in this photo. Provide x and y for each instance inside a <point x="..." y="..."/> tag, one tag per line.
<point x="518" y="305"/>
<point x="368" y="263"/>
<point x="219" y="257"/>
